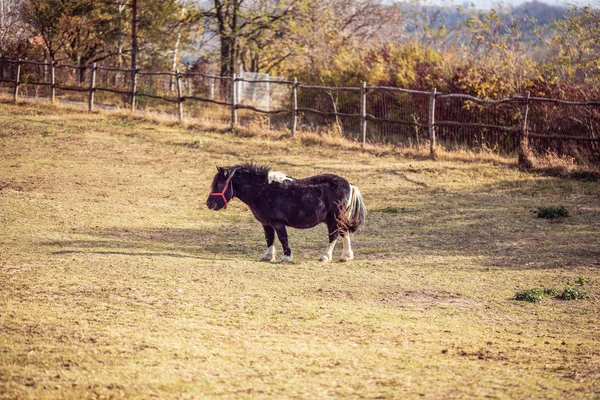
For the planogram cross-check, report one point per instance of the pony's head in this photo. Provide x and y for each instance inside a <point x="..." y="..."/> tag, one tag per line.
<point x="221" y="189"/>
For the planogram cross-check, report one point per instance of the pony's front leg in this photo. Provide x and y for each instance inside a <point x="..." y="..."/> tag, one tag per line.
<point x="333" y="235"/>
<point x="283" y="238"/>
<point x="347" y="253"/>
<point x="270" y="237"/>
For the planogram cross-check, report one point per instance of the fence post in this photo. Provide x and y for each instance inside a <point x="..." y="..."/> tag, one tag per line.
<point x="431" y="122"/>
<point x="53" y="81"/>
<point x="363" y="113"/>
<point x="16" y="90"/>
<point x="233" y="101"/>
<point x="179" y="96"/>
<point x="268" y="95"/>
<point x="133" y="88"/>
<point x="524" y="154"/>
<point x="92" y="87"/>
<point x="239" y="95"/>
<point x="294" y="105"/>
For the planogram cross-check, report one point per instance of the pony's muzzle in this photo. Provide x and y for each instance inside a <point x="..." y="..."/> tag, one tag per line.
<point x="213" y="204"/>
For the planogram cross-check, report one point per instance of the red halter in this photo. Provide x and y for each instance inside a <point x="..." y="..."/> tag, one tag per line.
<point x="222" y="194"/>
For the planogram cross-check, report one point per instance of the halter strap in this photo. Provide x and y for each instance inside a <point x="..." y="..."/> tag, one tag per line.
<point x="222" y="194"/>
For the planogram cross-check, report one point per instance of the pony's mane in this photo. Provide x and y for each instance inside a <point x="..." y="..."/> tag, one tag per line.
<point x="255" y="169"/>
<point x="264" y="171"/>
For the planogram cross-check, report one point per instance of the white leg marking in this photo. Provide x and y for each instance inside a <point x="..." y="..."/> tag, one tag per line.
<point x="328" y="256"/>
<point x="347" y="253"/>
<point x="270" y="254"/>
<point x="286" y="258"/>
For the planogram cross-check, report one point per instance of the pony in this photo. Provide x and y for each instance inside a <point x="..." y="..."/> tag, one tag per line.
<point x="279" y="201"/>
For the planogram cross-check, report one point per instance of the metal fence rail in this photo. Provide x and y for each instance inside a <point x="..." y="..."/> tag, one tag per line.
<point x="378" y="113"/>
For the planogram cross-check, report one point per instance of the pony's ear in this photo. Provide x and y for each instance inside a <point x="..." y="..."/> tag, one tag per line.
<point x="229" y="172"/>
<point x="219" y="169"/>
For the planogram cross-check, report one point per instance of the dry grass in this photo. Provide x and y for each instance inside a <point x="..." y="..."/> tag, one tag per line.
<point x="118" y="282"/>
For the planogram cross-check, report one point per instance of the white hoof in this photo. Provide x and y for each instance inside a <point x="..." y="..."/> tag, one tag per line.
<point x="325" y="258"/>
<point x="347" y="257"/>
<point x="269" y="254"/>
<point x="286" y="258"/>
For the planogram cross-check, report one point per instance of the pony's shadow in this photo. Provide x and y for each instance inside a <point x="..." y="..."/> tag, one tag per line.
<point x="129" y="253"/>
<point x="206" y="244"/>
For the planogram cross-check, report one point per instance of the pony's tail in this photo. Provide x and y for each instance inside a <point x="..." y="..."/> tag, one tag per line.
<point x="353" y="213"/>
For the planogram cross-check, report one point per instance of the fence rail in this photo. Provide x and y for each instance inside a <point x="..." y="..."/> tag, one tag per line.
<point x="371" y="112"/>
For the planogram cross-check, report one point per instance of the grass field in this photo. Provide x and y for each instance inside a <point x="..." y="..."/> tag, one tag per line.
<point x="116" y="281"/>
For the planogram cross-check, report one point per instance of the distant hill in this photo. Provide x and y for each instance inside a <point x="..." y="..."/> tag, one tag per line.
<point x="543" y="13"/>
<point x="528" y="15"/>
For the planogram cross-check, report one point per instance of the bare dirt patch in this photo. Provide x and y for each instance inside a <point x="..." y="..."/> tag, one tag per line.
<point x="427" y="299"/>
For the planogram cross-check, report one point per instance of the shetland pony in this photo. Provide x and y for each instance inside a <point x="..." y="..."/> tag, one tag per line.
<point x="278" y="201"/>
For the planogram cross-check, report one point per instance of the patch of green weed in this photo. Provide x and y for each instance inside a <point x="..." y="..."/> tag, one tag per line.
<point x="573" y="293"/>
<point x="552" y="212"/>
<point x="530" y="295"/>
<point x="536" y="294"/>
<point x="47" y="131"/>
<point x="581" y="280"/>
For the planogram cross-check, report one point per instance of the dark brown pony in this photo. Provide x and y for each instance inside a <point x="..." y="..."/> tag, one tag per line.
<point x="278" y="201"/>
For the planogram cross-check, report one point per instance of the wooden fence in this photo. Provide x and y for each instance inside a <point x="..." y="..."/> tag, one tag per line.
<point x="519" y="122"/>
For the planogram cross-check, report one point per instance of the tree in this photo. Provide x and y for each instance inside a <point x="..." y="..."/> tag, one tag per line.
<point x="88" y="33"/>
<point x="163" y="28"/>
<point x="573" y="51"/>
<point x="45" y="17"/>
<point x="239" y="23"/>
<point x="335" y="33"/>
<point x="79" y="30"/>
<point x="13" y="31"/>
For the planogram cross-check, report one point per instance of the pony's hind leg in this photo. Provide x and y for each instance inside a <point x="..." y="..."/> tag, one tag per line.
<point x="270" y="237"/>
<point x="328" y="256"/>
<point x="332" y="227"/>
<point x="347" y="253"/>
<point x="283" y="238"/>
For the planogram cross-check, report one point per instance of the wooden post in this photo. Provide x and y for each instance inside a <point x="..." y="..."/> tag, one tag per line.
<point x="363" y="113"/>
<point x="524" y="155"/>
<point x="239" y="94"/>
<point x="53" y="81"/>
<point x="92" y="87"/>
<point x="133" y="88"/>
<point x="179" y="96"/>
<point x="16" y="90"/>
<point x="233" y="101"/>
<point x="431" y="121"/>
<point x="294" y="105"/>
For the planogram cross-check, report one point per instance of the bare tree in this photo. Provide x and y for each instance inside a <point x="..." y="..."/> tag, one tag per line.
<point x="239" y="23"/>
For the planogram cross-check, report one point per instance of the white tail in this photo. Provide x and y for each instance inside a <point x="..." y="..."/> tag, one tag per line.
<point x="354" y="212"/>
